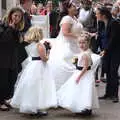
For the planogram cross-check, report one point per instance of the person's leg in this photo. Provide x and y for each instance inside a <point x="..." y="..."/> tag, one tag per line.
<point x="3" y="88"/>
<point x="11" y="82"/>
<point x="108" y="90"/>
<point x="97" y="78"/>
<point x="103" y="79"/>
<point x="115" y="80"/>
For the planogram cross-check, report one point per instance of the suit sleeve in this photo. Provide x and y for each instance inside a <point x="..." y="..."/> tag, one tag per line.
<point x="114" y="36"/>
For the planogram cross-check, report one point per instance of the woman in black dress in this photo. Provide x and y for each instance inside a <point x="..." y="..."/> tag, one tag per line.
<point x="9" y="42"/>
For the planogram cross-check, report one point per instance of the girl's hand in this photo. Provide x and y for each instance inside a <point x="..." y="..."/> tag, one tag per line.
<point x="12" y="24"/>
<point x="102" y="53"/>
<point x="78" y="79"/>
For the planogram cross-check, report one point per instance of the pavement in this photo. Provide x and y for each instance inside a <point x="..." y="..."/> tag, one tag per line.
<point x="107" y="111"/>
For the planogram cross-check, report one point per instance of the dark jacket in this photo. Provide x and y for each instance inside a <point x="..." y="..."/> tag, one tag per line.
<point x="27" y="20"/>
<point x="21" y="48"/>
<point x="101" y="38"/>
<point x="112" y="55"/>
<point x="9" y="41"/>
<point x="113" y="34"/>
<point x="53" y="22"/>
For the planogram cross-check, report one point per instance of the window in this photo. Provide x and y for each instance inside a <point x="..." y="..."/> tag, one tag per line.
<point x="3" y="4"/>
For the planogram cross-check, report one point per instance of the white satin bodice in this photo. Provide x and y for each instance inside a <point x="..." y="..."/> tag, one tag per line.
<point x="32" y="50"/>
<point x="81" y="60"/>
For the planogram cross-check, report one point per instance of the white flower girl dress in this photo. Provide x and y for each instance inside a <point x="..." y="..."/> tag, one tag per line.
<point x="78" y="97"/>
<point x="35" y="89"/>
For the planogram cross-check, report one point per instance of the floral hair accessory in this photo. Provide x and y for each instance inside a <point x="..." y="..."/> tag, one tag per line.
<point x="47" y="45"/>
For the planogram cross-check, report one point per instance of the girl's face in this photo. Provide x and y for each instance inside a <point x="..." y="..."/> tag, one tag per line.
<point x="83" y="44"/>
<point x="72" y="10"/>
<point x="16" y="17"/>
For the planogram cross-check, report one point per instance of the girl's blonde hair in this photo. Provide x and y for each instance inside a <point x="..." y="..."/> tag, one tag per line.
<point x="34" y="34"/>
<point x="85" y="35"/>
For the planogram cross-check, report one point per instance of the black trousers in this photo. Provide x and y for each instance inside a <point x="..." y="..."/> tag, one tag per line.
<point x="7" y="81"/>
<point x="112" y="86"/>
<point x="3" y="84"/>
<point x="12" y="77"/>
<point x="22" y="54"/>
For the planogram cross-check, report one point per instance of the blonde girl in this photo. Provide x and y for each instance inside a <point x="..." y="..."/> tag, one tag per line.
<point x="35" y="91"/>
<point x="78" y="94"/>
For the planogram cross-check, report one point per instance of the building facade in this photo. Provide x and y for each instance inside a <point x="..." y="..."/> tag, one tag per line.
<point x="6" y="5"/>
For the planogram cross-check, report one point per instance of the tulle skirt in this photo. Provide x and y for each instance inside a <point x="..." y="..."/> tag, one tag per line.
<point x="77" y="97"/>
<point x="35" y="89"/>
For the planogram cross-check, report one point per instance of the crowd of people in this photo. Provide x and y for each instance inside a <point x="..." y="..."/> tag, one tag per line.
<point x="38" y="74"/>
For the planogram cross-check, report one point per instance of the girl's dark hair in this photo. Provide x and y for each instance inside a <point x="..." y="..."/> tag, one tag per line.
<point x="66" y="5"/>
<point x="105" y="11"/>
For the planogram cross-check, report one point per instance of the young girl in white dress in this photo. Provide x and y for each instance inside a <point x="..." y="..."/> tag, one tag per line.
<point x="35" y="89"/>
<point x="78" y="94"/>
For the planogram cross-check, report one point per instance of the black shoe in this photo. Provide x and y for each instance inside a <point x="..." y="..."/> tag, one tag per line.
<point x="115" y="100"/>
<point x="34" y="114"/>
<point x="86" y="112"/>
<point x="105" y="97"/>
<point x="43" y="113"/>
<point x="39" y="114"/>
